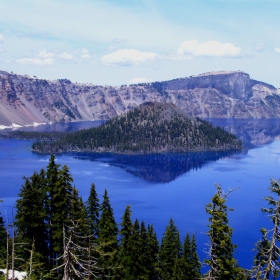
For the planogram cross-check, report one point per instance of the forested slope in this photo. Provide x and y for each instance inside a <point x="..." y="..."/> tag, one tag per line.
<point x="151" y="127"/>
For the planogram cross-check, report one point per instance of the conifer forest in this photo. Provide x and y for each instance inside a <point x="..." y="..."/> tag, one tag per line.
<point x="55" y="235"/>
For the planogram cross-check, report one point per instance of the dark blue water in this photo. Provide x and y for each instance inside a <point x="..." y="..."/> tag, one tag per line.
<point x="159" y="187"/>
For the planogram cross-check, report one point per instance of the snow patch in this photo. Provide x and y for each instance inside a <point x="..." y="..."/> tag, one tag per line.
<point x="20" y="275"/>
<point x="15" y="125"/>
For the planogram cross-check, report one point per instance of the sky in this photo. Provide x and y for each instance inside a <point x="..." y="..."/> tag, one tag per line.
<point x="119" y="42"/>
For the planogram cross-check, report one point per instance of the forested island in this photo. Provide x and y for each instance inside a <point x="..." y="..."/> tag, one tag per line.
<point x="149" y="128"/>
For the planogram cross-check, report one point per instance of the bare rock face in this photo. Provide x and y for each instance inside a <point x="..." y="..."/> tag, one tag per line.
<point x="25" y="100"/>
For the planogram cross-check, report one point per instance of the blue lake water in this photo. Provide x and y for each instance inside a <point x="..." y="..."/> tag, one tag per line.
<point x="160" y="187"/>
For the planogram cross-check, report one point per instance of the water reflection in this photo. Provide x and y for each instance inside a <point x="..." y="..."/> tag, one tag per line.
<point x="252" y="132"/>
<point x="164" y="168"/>
<point x="158" y="168"/>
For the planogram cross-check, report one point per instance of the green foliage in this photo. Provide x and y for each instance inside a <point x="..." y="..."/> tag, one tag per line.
<point x="124" y="248"/>
<point x="3" y="238"/>
<point x="62" y="199"/>
<point x="136" y="269"/>
<point x="220" y="256"/>
<point x="93" y="207"/>
<point x="153" y="266"/>
<point x="108" y="239"/>
<point x="151" y="127"/>
<point x="191" y="264"/>
<point x="266" y="260"/>
<point x="47" y="202"/>
<point x="170" y="252"/>
<point x="31" y="215"/>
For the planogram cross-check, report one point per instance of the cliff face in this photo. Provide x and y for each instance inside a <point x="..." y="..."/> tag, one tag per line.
<point x="24" y="99"/>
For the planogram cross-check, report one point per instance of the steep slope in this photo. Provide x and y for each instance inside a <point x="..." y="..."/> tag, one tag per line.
<point x="25" y="99"/>
<point x="151" y="127"/>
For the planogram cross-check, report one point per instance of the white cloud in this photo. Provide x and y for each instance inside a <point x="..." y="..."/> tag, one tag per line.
<point x="128" y="57"/>
<point x="45" y="54"/>
<point x="2" y="49"/>
<point x="85" y="54"/>
<point x="48" y="58"/>
<point x="192" y="48"/>
<point x="1" y="38"/>
<point x="41" y="58"/>
<point x="66" y="56"/>
<point x="277" y="50"/>
<point x="36" y="61"/>
<point x="138" y="81"/>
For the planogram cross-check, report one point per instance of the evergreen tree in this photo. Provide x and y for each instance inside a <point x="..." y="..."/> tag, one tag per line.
<point x="134" y="244"/>
<point x="47" y="203"/>
<point x="221" y="260"/>
<point x="93" y="209"/>
<point x="124" y="250"/>
<point x="153" y="254"/>
<point x="144" y="251"/>
<point x="266" y="261"/>
<point x="170" y="252"/>
<point x="195" y="259"/>
<point x="78" y="217"/>
<point x="62" y="194"/>
<point x="261" y="258"/>
<point x="51" y="180"/>
<point x="108" y="239"/>
<point x="3" y="241"/>
<point x="31" y="215"/>
<point x="177" y="273"/>
<point x="190" y="261"/>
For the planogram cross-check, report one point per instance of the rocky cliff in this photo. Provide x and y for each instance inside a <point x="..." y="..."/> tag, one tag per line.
<point x="25" y="100"/>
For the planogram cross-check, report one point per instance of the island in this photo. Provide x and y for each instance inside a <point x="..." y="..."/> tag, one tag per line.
<point x="151" y="127"/>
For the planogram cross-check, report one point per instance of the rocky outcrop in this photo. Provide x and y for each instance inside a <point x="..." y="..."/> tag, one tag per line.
<point x="25" y="100"/>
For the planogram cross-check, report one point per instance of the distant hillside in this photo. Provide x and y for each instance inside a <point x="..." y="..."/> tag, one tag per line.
<point x="150" y="128"/>
<point x="24" y="99"/>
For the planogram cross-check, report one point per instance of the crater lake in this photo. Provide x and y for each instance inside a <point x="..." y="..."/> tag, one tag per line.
<point x="163" y="186"/>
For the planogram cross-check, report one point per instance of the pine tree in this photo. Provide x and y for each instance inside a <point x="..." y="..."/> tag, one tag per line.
<point x="153" y="254"/>
<point x="3" y="241"/>
<point x="108" y="239"/>
<point x="190" y="260"/>
<point x="170" y="252"/>
<point x="221" y="260"/>
<point x="51" y="180"/>
<point x="261" y="258"/>
<point x="144" y="251"/>
<point x="62" y="195"/>
<point x="266" y="261"/>
<point x="31" y="215"/>
<point x="124" y="250"/>
<point x="134" y="244"/>
<point x="195" y="259"/>
<point x="93" y="209"/>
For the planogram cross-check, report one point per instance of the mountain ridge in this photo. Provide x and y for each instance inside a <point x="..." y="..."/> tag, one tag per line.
<point x="224" y="94"/>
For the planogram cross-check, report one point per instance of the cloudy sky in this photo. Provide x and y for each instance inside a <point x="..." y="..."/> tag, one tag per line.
<point x="115" y="42"/>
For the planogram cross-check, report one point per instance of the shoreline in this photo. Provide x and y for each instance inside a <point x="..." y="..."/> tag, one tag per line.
<point x="127" y="152"/>
<point x="16" y="126"/>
